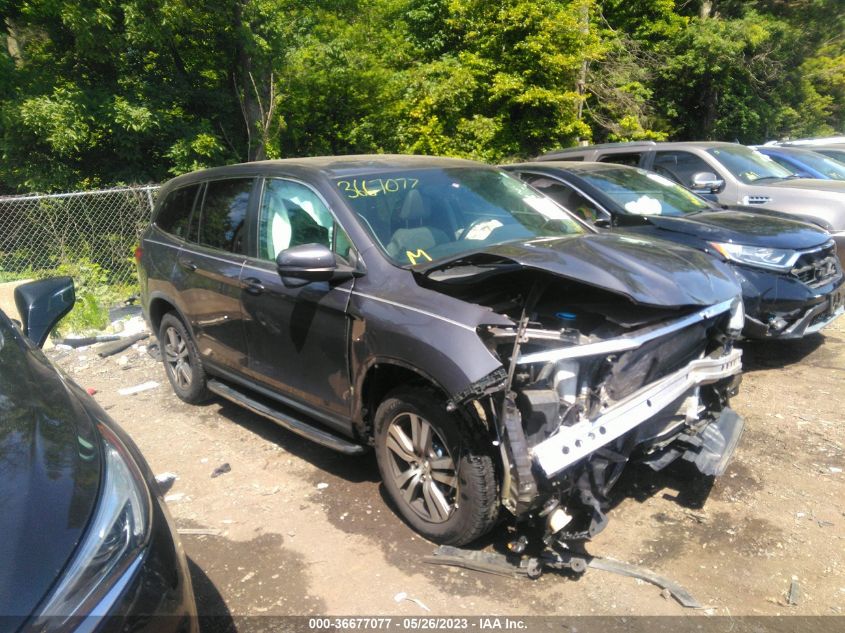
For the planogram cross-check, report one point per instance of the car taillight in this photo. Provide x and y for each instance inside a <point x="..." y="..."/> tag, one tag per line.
<point x="138" y="252"/>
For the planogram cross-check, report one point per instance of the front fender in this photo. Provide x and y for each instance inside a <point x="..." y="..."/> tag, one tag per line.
<point x="446" y="352"/>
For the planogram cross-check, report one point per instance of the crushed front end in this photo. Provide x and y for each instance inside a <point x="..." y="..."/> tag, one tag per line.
<point x="595" y="383"/>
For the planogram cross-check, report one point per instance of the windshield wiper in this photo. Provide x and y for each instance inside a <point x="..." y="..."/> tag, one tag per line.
<point x="756" y="180"/>
<point x="478" y="261"/>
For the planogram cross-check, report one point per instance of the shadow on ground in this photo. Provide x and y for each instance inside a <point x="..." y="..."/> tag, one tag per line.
<point x="352" y="468"/>
<point x="758" y="355"/>
<point x="212" y="609"/>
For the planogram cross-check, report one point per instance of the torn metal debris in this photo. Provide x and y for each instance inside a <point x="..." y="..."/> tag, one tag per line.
<point x="557" y="559"/>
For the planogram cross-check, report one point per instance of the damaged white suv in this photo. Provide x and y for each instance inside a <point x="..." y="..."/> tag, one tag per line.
<point x="496" y="353"/>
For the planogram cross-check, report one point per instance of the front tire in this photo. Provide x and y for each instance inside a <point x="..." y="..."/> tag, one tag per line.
<point x="435" y="468"/>
<point x="181" y="360"/>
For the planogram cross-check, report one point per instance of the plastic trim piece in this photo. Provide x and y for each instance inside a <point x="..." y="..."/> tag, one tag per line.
<point x="812" y="329"/>
<point x="575" y="442"/>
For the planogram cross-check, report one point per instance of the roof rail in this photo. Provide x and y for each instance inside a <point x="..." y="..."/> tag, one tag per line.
<point x="567" y="150"/>
<point x="823" y="140"/>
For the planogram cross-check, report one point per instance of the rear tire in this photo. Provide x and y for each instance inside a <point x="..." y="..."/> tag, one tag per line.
<point x="181" y="360"/>
<point x="435" y="467"/>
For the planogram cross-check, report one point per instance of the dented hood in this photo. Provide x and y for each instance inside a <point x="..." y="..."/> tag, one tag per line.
<point x="650" y="272"/>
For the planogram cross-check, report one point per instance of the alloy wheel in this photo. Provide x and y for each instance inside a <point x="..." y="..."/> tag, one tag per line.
<point x="422" y="467"/>
<point x="177" y="358"/>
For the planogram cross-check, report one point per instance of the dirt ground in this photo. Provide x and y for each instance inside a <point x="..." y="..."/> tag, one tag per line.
<point x="296" y="529"/>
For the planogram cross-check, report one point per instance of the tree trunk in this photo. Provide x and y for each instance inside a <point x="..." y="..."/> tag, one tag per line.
<point x="711" y="108"/>
<point x="245" y="86"/>
<point x="581" y="84"/>
<point x="12" y="42"/>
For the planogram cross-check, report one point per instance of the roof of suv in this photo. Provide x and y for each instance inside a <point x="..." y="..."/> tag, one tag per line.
<point x="329" y="166"/>
<point x="574" y="166"/>
<point x="607" y="148"/>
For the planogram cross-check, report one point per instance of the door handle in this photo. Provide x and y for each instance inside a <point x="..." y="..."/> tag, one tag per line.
<point x="253" y="286"/>
<point x="187" y="264"/>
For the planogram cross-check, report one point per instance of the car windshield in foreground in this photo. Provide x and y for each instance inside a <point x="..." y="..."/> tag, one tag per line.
<point x="428" y="215"/>
<point x="748" y="164"/>
<point x="644" y="193"/>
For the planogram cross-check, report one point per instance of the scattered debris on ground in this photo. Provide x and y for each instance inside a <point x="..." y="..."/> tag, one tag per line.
<point x="402" y="596"/>
<point x="144" y="386"/>
<point x="165" y="481"/>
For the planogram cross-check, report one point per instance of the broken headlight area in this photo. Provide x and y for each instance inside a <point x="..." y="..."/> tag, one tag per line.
<point x="595" y="382"/>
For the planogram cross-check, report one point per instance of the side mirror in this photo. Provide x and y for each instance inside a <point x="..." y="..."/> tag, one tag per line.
<point x="305" y="263"/>
<point x="41" y="304"/>
<point x="707" y="182"/>
<point x="602" y="223"/>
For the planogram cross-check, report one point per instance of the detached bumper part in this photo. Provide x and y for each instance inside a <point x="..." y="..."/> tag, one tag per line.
<point x="813" y="320"/>
<point x="570" y="444"/>
<point x="716" y="444"/>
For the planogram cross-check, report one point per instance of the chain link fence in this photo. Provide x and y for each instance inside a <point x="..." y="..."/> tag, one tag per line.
<point x="43" y="233"/>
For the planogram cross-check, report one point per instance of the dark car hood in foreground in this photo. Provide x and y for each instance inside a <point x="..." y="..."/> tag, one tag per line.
<point x="649" y="272"/>
<point x="49" y="473"/>
<point x="752" y="229"/>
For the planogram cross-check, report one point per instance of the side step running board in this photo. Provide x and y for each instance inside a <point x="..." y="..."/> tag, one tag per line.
<point x="295" y="425"/>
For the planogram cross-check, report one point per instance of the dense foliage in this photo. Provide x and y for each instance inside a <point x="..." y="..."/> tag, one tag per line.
<point x="100" y="92"/>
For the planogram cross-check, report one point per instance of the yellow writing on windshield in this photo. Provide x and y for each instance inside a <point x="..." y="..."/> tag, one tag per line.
<point x="360" y="187"/>
<point x="413" y="257"/>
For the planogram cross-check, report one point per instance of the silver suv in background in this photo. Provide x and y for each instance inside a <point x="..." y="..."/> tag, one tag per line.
<point x="731" y="174"/>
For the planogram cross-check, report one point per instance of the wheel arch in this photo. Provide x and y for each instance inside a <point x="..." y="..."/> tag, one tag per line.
<point x="158" y="307"/>
<point x="380" y="377"/>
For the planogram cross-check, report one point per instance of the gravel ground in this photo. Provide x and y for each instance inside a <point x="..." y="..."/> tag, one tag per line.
<point x="295" y="529"/>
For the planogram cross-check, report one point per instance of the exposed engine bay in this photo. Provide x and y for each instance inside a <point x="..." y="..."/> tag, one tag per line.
<point x="590" y="381"/>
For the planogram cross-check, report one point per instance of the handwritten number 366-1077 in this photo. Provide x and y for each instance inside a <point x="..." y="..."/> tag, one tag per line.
<point x="358" y="188"/>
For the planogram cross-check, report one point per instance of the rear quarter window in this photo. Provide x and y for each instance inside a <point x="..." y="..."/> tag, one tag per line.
<point x="174" y="213"/>
<point x="632" y="159"/>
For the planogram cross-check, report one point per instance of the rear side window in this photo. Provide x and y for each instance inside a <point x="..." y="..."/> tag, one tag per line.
<point x="175" y="211"/>
<point x="632" y="160"/>
<point x="680" y="166"/>
<point x="223" y="221"/>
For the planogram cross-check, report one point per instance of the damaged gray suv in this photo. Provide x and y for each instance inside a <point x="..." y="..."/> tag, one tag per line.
<point x="494" y="352"/>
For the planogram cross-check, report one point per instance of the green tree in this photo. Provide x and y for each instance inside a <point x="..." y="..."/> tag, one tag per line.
<point x="506" y="85"/>
<point x="99" y="92"/>
<point x="108" y="91"/>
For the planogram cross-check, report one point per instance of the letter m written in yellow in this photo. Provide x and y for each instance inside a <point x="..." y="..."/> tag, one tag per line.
<point x="413" y="257"/>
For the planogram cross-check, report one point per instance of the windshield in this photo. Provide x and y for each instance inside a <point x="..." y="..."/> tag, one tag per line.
<point x="747" y="164"/>
<point x="836" y="154"/>
<point x="823" y="164"/>
<point x="426" y="215"/>
<point x="644" y="193"/>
